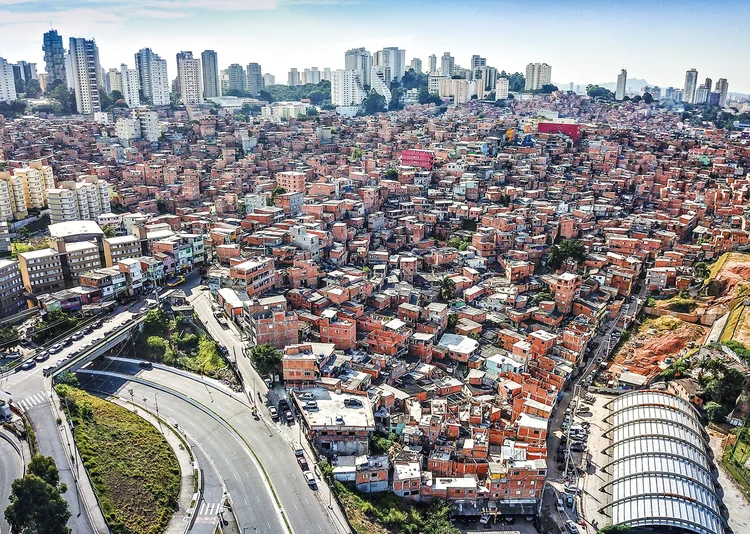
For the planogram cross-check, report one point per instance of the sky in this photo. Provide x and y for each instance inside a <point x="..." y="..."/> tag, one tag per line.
<point x="585" y="41"/>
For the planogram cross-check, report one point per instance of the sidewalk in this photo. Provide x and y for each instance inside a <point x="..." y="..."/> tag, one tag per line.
<point x="81" y="478"/>
<point x="183" y="516"/>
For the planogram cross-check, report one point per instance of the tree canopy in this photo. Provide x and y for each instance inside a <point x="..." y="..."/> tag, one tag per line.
<point x="595" y="91"/>
<point x="425" y="97"/>
<point x="447" y="288"/>
<point x="568" y="249"/>
<point x="548" y="88"/>
<point x="373" y="103"/>
<point x="266" y="359"/>
<point x="516" y="81"/>
<point x="36" y="504"/>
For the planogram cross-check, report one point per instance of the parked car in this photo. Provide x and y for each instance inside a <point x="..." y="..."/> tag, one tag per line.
<point x="77" y="336"/>
<point x="42" y="356"/>
<point x="28" y="364"/>
<point x="310" y="479"/>
<point x="559" y="505"/>
<point x="48" y="370"/>
<point x="145" y="365"/>
<point x="570" y="501"/>
<point x="298" y="450"/>
<point x="289" y="417"/>
<point x="273" y="413"/>
<point x="572" y="527"/>
<point x="283" y="405"/>
<point x="308" y="396"/>
<point x="54" y="349"/>
<point x="311" y="405"/>
<point x="356" y="403"/>
<point x="302" y="461"/>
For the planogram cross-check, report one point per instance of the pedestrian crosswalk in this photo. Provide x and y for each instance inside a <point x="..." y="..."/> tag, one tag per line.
<point x="207" y="508"/>
<point x="32" y="400"/>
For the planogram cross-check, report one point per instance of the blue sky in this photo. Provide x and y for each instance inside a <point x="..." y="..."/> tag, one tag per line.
<point x="585" y="42"/>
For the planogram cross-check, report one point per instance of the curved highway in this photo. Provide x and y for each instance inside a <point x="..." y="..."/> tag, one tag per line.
<point x="10" y="469"/>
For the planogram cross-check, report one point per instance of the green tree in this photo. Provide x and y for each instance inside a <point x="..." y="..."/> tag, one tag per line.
<point x="391" y="174"/>
<point x="109" y="231"/>
<point x="648" y="98"/>
<point x="44" y="467"/>
<point x="424" y="96"/>
<point x="715" y="412"/>
<point x="548" y="88"/>
<point x="266" y="359"/>
<point x="116" y="95"/>
<point x="594" y="91"/>
<point x="395" y="103"/>
<point x="66" y="98"/>
<point x="516" y="81"/>
<point x="161" y="205"/>
<point x="701" y="270"/>
<point x="615" y="529"/>
<point x="11" y="110"/>
<point x="69" y="379"/>
<point x="33" y="89"/>
<point x="36" y="506"/>
<point x="568" y="249"/>
<point x="278" y="191"/>
<point x="373" y="103"/>
<point x="447" y="288"/>
<point x="105" y="100"/>
<point x="8" y="334"/>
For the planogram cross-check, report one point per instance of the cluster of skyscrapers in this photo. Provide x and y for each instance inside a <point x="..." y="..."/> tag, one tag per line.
<point x="692" y="92"/>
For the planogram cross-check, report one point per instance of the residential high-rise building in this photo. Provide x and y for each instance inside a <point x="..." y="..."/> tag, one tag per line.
<point x="211" y="86"/>
<point x="393" y="61"/>
<point x="691" y="86"/>
<point x="84" y="200"/>
<point x="113" y="81"/>
<point x="380" y="83"/>
<point x="189" y="76"/>
<point x="25" y="71"/>
<point x="84" y="76"/>
<point x="7" y="82"/>
<point x="477" y="61"/>
<point x="130" y="86"/>
<point x="224" y="81"/>
<point x="269" y="79"/>
<point x="709" y="83"/>
<point x="701" y="94"/>
<point x="447" y="64"/>
<point x="54" y="57"/>
<point x="326" y="74"/>
<point x="432" y="64"/>
<point x="722" y="87"/>
<point x="501" y="88"/>
<point x="359" y="59"/>
<point x="537" y="75"/>
<point x="488" y="75"/>
<point x="622" y="81"/>
<point x="347" y="88"/>
<point x="237" y="80"/>
<point x="314" y="75"/>
<point x="416" y="65"/>
<point x="293" y="78"/>
<point x="254" y="79"/>
<point x="152" y="75"/>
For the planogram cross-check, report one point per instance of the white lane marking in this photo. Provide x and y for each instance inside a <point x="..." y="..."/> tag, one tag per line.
<point x="256" y="496"/>
<point x="308" y="502"/>
<point x="236" y="477"/>
<point x="320" y="528"/>
<point x="244" y="499"/>
<point x="295" y="505"/>
<point x="203" y="507"/>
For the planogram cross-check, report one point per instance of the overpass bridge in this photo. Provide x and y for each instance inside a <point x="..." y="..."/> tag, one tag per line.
<point x="112" y="340"/>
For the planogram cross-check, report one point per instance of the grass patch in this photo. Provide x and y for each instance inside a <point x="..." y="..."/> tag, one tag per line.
<point x="731" y="325"/>
<point x="665" y="323"/>
<point x="717" y="266"/>
<point x="134" y="472"/>
<point x="682" y="305"/>
<point x="386" y="513"/>
<point x="734" y="459"/>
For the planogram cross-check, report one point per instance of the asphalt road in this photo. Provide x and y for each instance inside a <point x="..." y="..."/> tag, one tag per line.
<point x="306" y="509"/>
<point x="50" y="444"/>
<point x="10" y="469"/>
<point x="254" y="507"/>
<point x="212" y="493"/>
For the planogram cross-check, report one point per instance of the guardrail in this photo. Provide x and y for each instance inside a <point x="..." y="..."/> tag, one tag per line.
<point x="111" y="336"/>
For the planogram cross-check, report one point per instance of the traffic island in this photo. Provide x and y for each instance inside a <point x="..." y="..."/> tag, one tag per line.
<point x="134" y="471"/>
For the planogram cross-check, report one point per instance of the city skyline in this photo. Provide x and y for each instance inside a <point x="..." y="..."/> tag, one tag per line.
<point x="260" y="31"/>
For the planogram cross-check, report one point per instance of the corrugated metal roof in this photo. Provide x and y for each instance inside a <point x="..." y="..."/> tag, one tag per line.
<point x="661" y="471"/>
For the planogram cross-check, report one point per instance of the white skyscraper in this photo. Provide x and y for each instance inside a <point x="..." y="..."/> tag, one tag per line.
<point x="722" y="87"/>
<point x="347" y="88"/>
<point x="189" y="75"/>
<point x="211" y="85"/>
<point x="114" y="80"/>
<point x="130" y="86"/>
<point x="269" y="79"/>
<point x="447" y="64"/>
<point x="416" y="65"/>
<point x="237" y="77"/>
<point x="7" y="82"/>
<point x="501" y="89"/>
<point x="254" y="79"/>
<point x="326" y="74"/>
<point x="152" y="75"/>
<point x="691" y="86"/>
<point x="83" y="72"/>
<point x="359" y="59"/>
<point x="393" y="62"/>
<point x="622" y="81"/>
<point x="380" y="83"/>
<point x="432" y="64"/>
<point x="537" y="75"/>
